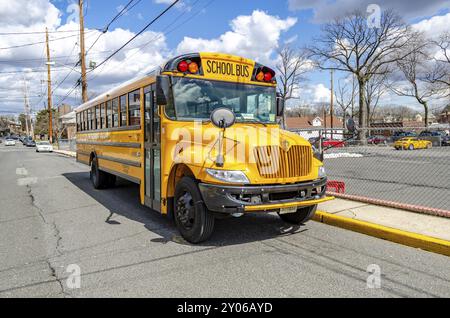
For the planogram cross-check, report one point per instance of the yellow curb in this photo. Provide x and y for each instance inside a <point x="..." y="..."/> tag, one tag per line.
<point x="424" y="242"/>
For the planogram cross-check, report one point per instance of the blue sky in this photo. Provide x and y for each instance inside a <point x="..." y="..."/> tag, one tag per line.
<point x="252" y="28"/>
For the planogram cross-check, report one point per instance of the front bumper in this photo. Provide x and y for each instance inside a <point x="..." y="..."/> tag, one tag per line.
<point x="266" y="198"/>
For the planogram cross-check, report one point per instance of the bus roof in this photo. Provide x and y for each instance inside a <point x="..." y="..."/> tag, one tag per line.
<point x="123" y="88"/>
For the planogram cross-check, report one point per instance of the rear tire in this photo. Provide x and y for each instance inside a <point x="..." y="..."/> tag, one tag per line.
<point x="194" y="222"/>
<point x="411" y="147"/>
<point x="301" y="216"/>
<point x="97" y="176"/>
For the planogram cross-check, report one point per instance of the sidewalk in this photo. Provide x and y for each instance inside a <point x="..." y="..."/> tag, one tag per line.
<point x="404" y="227"/>
<point x="66" y="153"/>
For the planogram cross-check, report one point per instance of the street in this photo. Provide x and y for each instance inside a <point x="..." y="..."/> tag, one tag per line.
<point x="419" y="177"/>
<point x="51" y="217"/>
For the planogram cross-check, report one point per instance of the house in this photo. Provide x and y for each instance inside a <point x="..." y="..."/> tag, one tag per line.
<point x="310" y="126"/>
<point x="67" y="124"/>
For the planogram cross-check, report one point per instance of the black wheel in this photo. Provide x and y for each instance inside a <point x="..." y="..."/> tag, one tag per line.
<point x="193" y="220"/>
<point x="301" y="216"/>
<point x="411" y="147"/>
<point x="98" y="177"/>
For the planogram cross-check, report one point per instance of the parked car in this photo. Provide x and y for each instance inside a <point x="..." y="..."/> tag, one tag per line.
<point x="402" y="134"/>
<point x="10" y="142"/>
<point x="44" y="146"/>
<point x="412" y="143"/>
<point x="30" y="143"/>
<point x="327" y="142"/>
<point x="376" y="140"/>
<point x="445" y="139"/>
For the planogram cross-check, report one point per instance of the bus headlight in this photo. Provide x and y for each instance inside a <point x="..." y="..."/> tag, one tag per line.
<point x="322" y="173"/>
<point x="232" y="176"/>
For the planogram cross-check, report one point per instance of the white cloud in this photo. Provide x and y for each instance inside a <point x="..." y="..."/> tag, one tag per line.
<point x="434" y="26"/>
<point x="254" y="36"/>
<point x="325" y="10"/>
<point x="135" y="58"/>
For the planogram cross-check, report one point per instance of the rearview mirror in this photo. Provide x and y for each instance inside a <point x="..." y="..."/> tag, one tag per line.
<point x="280" y="105"/>
<point x="162" y="89"/>
<point x="223" y="118"/>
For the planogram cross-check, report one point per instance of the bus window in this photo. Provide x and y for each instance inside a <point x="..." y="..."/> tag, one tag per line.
<point x="134" y="108"/>
<point x="115" y="112"/>
<point x="92" y="121"/>
<point x="78" y="122"/>
<point x="103" y="118"/>
<point x="108" y="115"/>
<point x="98" y="116"/>
<point x="123" y="110"/>
<point x="84" y="120"/>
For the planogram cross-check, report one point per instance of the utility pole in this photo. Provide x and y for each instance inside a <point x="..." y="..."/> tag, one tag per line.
<point x="49" y="91"/>
<point x="331" y="104"/>
<point x="27" y="106"/>
<point x="82" y="55"/>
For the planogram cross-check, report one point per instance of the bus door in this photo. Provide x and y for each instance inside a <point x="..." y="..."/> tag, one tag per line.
<point x="152" y="145"/>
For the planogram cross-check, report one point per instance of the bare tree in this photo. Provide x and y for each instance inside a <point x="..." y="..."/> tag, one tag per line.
<point x="350" y="44"/>
<point x="345" y="96"/>
<point x="439" y="75"/>
<point x="293" y="64"/>
<point x="375" y="88"/>
<point x="414" y="69"/>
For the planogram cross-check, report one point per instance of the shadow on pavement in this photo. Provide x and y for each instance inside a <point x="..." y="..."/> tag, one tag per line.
<point x="123" y="200"/>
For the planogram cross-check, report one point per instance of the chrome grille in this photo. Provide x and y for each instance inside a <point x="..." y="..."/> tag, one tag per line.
<point x="274" y="162"/>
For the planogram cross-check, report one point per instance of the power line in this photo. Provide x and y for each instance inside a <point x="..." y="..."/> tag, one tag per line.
<point x="35" y="43"/>
<point x="116" y="17"/>
<point x="39" y="32"/>
<point x="139" y="33"/>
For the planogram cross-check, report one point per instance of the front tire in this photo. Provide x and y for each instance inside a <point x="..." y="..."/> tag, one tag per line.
<point x="411" y="147"/>
<point x="301" y="216"/>
<point x="194" y="222"/>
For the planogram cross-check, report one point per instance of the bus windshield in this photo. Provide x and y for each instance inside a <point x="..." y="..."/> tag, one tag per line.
<point x="195" y="99"/>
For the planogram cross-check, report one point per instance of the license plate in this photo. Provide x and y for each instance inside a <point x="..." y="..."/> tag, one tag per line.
<point x="288" y="210"/>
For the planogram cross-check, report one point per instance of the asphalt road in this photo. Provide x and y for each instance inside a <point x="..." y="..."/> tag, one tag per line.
<point x="418" y="177"/>
<point x="51" y="217"/>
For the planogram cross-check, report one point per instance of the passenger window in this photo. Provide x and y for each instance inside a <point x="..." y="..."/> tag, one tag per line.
<point x="98" y="116"/>
<point x="115" y="112"/>
<point x="103" y="111"/>
<point x="134" y="108"/>
<point x="108" y="114"/>
<point x="123" y="110"/>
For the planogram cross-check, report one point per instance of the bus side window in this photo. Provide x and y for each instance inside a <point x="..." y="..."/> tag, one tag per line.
<point x="103" y="115"/>
<point x="98" y="116"/>
<point x="115" y="112"/>
<point x="108" y="114"/>
<point x="134" y="108"/>
<point x="123" y="111"/>
<point x="84" y="120"/>
<point x="78" y="121"/>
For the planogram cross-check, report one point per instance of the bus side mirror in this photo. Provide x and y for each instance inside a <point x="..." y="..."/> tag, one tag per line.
<point x="162" y="86"/>
<point x="280" y="105"/>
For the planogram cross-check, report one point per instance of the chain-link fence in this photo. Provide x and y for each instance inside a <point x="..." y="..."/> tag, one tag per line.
<point x="67" y="144"/>
<point x="401" y="165"/>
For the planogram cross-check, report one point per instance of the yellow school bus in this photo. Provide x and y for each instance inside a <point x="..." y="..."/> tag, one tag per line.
<point x="201" y="138"/>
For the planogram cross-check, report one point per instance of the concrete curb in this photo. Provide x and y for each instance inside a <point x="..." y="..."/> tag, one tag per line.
<point x="396" y="205"/>
<point x="65" y="153"/>
<point x="423" y="242"/>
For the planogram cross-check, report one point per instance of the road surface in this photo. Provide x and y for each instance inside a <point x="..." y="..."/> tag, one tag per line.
<point x="52" y="221"/>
